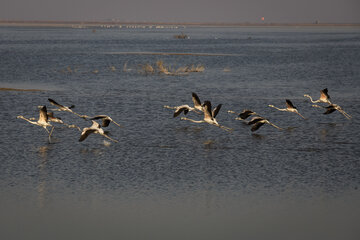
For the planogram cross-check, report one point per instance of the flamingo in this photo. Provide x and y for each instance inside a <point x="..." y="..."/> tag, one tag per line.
<point x="179" y="109"/>
<point x="209" y="116"/>
<point x="105" y="120"/>
<point x="244" y="114"/>
<point x="257" y="122"/>
<point x="52" y="118"/>
<point x="186" y="108"/>
<point x="64" y="108"/>
<point x="324" y="97"/>
<point x="332" y="108"/>
<point x="94" y="128"/>
<point x="43" y="120"/>
<point x="289" y="108"/>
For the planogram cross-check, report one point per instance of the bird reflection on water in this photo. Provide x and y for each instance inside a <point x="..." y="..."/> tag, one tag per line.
<point x="43" y="175"/>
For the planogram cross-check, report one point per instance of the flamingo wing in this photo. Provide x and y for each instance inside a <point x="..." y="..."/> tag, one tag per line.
<point x="105" y="122"/>
<point x="255" y="120"/>
<point x="53" y="102"/>
<point x="207" y="110"/>
<point x="246" y="113"/>
<point x="85" y="133"/>
<point x="196" y="101"/>
<point x="289" y="104"/>
<point x="43" y="117"/>
<point x="330" y="109"/>
<point x="324" y="94"/>
<point x="179" y="110"/>
<point x="216" y="110"/>
<point x="257" y="125"/>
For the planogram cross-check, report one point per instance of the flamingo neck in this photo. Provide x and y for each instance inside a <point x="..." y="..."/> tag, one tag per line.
<point x="280" y="109"/>
<point x="192" y="120"/>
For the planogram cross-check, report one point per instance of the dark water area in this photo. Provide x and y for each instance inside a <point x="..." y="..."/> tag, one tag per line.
<point x="173" y="179"/>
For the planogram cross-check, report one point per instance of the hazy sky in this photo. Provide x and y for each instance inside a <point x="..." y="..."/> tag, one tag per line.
<point x="281" y="11"/>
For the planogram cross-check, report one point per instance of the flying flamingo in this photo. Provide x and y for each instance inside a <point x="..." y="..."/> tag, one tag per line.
<point x="105" y="120"/>
<point x="64" y="108"/>
<point x="324" y="97"/>
<point x="179" y="109"/>
<point x="209" y="116"/>
<point x="43" y="120"/>
<point x="186" y="108"/>
<point x="257" y="122"/>
<point x="94" y="128"/>
<point x="244" y="114"/>
<point x="332" y="108"/>
<point x="289" y="108"/>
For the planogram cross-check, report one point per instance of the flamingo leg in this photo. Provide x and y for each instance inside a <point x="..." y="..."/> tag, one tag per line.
<point x="301" y="115"/>
<point x="117" y="124"/>
<point x="345" y="114"/>
<point x="275" y="126"/>
<point x="52" y="129"/>
<point x="226" y="128"/>
<point x="109" y="138"/>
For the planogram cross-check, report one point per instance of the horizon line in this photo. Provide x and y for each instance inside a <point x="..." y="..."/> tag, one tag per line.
<point x="118" y="22"/>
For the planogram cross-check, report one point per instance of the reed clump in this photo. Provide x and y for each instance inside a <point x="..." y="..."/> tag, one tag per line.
<point x="160" y="68"/>
<point x="197" y="68"/>
<point x="146" y="69"/>
<point x="181" y="36"/>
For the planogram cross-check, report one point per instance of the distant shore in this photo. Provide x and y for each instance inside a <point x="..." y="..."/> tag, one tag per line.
<point x="84" y="24"/>
<point x="19" y="89"/>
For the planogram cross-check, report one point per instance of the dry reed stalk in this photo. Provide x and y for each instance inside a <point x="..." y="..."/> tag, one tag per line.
<point x="162" y="68"/>
<point x="193" y="68"/>
<point x="125" y="69"/>
<point x="200" y="68"/>
<point x="147" y="69"/>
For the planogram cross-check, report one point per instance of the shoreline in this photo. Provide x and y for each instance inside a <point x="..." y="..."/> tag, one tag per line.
<point x="20" y="89"/>
<point x="85" y="24"/>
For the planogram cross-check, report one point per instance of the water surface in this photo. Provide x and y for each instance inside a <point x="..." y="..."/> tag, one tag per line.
<point x="174" y="179"/>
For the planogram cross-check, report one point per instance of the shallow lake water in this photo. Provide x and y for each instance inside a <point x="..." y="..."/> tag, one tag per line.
<point x="173" y="179"/>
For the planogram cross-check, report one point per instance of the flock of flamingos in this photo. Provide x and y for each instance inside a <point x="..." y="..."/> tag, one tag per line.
<point x="205" y="109"/>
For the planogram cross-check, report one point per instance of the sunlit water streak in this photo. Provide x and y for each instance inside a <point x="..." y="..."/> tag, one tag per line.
<point x="173" y="179"/>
